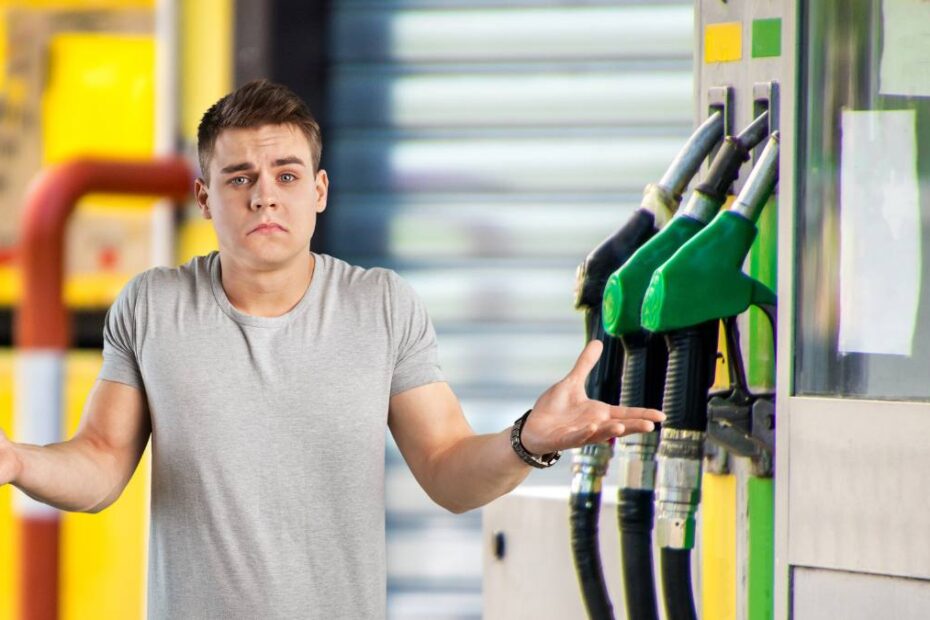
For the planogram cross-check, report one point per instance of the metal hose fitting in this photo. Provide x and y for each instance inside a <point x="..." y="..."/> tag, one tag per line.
<point x="678" y="487"/>
<point x="636" y="461"/>
<point x="589" y="465"/>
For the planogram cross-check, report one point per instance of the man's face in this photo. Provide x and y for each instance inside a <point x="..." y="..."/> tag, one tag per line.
<point x="263" y="195"/>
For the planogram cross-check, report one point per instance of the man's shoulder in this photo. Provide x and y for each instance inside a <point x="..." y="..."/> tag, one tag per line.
<point x="164" y="280"/>
<point x="348" y="277"/>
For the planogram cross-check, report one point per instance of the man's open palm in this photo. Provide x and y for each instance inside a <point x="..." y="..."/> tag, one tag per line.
<point x="564" y="417"/>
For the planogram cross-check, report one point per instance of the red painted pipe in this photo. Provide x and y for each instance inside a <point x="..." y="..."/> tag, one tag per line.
<point x="41" y="322"/>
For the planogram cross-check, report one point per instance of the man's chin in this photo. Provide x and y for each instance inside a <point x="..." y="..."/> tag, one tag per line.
<point x="269" y="259"/>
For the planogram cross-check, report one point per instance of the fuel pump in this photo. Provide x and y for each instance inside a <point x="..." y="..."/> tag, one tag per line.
<point x="687" y="297"/>
<point x="659" y="203"/>
<point x="645" y="360"/>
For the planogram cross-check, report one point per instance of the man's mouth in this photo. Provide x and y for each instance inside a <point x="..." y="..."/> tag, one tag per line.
<point x="268" y="227"/>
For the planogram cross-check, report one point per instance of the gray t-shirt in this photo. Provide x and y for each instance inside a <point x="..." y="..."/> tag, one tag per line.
<point x="268" y="436"/>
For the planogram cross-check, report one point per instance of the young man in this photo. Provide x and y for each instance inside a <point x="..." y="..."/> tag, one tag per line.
<point x="265" y="374"/>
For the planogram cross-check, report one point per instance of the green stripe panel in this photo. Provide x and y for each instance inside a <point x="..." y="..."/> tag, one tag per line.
<point x="761" y="548"/>
<point x="763" y="261"/>
<point x="766" y="38"/>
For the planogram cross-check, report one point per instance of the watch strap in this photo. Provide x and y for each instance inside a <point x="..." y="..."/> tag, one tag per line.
<point x="539" y="462"/>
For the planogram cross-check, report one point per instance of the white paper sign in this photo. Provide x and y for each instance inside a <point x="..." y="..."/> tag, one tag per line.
<point x="905" y="66"/>
<point x="880" y="232"/>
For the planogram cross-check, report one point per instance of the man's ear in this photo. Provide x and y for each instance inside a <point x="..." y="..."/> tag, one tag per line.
<point x="322" y="190"/>
<point x="201" y="193"/>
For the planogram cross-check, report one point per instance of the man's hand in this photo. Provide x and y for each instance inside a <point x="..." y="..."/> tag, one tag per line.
<point x="564" y="417"/>
<point x="10" y="463"/>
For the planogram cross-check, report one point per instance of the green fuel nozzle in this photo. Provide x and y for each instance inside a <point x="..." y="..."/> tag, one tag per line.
<point x="704" y="279"/>
<point x="626" y="287"/>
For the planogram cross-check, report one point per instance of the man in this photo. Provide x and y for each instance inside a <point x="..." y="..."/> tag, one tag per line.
<point x="265" y="374"/>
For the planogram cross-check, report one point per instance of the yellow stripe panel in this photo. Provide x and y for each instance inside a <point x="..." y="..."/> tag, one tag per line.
<point x="102" y="555"/>
<point x="9" y="540"/>
<point x="723" y="42"/>
<point x="718" y="546"/>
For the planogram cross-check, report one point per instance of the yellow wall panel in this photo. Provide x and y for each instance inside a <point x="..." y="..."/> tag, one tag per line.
<point x="100" y="101"/>
<point x="102" y="555"/>
<point x="206" y="58"/>
<point x="100" y="98"/>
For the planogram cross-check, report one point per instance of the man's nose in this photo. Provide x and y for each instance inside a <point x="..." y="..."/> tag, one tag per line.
<point x="263" y="194"/>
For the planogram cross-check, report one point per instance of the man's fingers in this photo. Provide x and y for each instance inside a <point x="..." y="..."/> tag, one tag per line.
<point x="636" y="413"/>
<point x="606" y="432"/>
<point x="639" y="426"/>
<point x="586" y="361"/>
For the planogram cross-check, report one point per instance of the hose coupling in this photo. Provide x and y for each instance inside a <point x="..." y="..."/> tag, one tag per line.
<point x="678" y="487"/>
<point x="701" y="207"/>
<point x="636" y="460"/>
<point x="589" y="465"/>
<point x="662" y="203"/>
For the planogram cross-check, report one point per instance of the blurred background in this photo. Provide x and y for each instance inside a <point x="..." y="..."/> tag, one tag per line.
<point x="480" y="148"/>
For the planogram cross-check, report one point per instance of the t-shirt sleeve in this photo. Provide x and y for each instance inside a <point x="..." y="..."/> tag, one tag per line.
<point x="416" y="360"/>
<point x="120" y="338"/>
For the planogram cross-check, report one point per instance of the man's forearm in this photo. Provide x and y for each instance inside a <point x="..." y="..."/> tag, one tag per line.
<point x="70" y="475"/>
<point x="476" y="470"/>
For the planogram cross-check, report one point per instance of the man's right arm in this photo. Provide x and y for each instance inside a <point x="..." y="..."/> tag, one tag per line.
<point x="89" y="471"/>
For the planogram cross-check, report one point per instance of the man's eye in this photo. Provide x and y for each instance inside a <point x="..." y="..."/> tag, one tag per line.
<point x="287" y="177"/>
<point x="239" y="180"/>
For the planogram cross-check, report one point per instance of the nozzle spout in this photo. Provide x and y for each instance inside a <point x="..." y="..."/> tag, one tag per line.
<point x="761" y="182"/>
<point x="689" y="158"/>
<point x="755" y="132"/>
<point x="731" y="156"/>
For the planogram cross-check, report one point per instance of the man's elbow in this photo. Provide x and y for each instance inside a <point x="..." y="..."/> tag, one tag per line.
<point x="455" y="507"/>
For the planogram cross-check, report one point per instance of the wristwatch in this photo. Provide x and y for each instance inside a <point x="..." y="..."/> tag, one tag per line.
<point x="539" y="462"/>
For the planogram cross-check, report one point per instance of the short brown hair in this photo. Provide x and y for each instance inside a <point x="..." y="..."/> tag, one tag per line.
<point x="257" y="103"/>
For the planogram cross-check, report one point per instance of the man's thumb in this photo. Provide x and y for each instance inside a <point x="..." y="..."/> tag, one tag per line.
<point x="587" y="360"/>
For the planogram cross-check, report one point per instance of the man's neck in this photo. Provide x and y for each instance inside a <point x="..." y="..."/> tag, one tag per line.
<point x="267" y="293"/>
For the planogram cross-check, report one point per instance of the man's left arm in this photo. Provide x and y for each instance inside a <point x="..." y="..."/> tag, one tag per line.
<point x="460" y="470"/>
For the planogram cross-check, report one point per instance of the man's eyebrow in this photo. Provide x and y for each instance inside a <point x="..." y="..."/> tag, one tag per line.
<point x="285" y="161"/>
<point x="237" y="168"/>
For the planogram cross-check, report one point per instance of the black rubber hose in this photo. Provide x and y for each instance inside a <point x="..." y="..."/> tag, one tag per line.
<point x="635" y="510"/>
<point x="692" y="354"/>
<point x="635" y="506"/>
<point x="585" y="509"/>
<point x="676" y="582"/>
